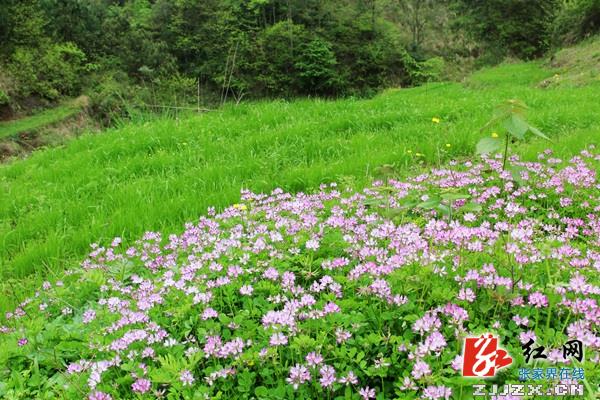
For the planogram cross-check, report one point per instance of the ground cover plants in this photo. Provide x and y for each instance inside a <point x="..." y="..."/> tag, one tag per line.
<point x="58" y="201"/>
<point x="336" y="293"/>
<point x="43" y="119"/>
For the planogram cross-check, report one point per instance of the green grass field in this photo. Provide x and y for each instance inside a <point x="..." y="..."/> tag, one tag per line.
<point x="155" y="175"/>
<point x="41" y="119"/>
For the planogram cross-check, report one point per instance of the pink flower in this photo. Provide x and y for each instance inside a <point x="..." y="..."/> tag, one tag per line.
<point x="556" y="356"/>
<point x="457" y="363"/>
<point x="349" y="379"/>
<point x="437" y="392"/>
<point x="420" y="369"/>
<point x="367" y="393"/>
<point x="525" y="337"/>
<point x="298" y="375"/>
<point x="312" y="244"/>
<point x="246" y="290"/>
<point x="435" y="342"/>
<point x="523" y="321"/>
<point x="466" y="294"/>
<point x="187" y="378"/>
<point x="209" y="313"/>
<point x="278" y="339"/>
<point x="314" y="359"/>
<point x="331" y="307"/>
<point x="89" y="316"/>
<point x="99" y="396"/>
<point x="342" y="335"/>
<point x="141" y="386"/>
<point x="538" y="300"/>
<point x="327" y="376"/>
<point x="22" y="342"/>
<point x="271" y="273"/>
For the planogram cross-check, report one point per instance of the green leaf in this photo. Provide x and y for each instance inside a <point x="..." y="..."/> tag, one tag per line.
<point x="486" y="306"/>
<point x="537" y="132"/>
<point x="455" y="196"/>
<point x="429" y="204"/>
<point x="161" y="376"/>
<point x="516" y="126"/>
<point x="488" y="145"/>
<point x="443" y="209"/>
<point x="261" y="392"/>
<point x="471" y="207"/>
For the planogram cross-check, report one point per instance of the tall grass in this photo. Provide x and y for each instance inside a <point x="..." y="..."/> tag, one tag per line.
<point x="156" y="175"/>
<point x="40" y="120"/>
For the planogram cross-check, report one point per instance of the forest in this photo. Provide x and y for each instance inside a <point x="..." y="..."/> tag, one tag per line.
<point x="124" y="54"/>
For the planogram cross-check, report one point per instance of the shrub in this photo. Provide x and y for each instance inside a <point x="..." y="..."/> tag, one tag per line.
<point x="110" y="98"/>
<point x="4" y="99"/>
<point x="280" y="45"/>
<point x="576" y="20"/>
<point x="430" y="70"/>
<point x="508" y="27"/>
<point x="316" y="66"/>
<point x="48" y="72"/>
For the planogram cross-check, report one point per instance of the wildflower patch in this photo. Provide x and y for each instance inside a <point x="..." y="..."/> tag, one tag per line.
<point x="334" y="294"/>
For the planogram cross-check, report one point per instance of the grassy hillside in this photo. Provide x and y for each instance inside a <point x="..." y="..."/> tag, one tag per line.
<point x="43" y="119"/>
<point x="156" y="175"/>
<point x="577" y="65"/>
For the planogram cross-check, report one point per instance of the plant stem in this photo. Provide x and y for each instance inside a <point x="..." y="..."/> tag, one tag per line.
<point x="505" y="152"/>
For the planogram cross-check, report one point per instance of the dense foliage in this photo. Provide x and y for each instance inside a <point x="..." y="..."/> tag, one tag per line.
<point x="126" y="53"/>
<point x="509" y="27"/>
<point x="161" y="50"/>
<point x="334" y="294"/>
<point x="577" y="20"/>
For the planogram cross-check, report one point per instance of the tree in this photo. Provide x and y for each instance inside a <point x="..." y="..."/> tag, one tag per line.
<point x="508" y="27"/>
<point x="316" y="68"/>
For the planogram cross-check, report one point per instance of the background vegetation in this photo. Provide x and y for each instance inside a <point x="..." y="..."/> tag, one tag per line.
<point x="60" y="200"/>
<point x="130" y="53"/>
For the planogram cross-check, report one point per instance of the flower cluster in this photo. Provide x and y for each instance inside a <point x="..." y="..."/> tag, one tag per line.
<point x="317" y="294"/>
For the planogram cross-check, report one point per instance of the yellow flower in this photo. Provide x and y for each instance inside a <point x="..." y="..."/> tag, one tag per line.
<point x="448" y="145"/>
<point x="435" y="120"/>
<point x="240" y="207"/>
<point x="494" y="135"/>
<point x="418" y="154"/>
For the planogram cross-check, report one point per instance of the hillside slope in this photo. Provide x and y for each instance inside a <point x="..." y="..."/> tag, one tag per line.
<point x="157" y="175"/>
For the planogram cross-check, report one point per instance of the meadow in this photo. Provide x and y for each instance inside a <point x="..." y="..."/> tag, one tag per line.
<point x="213" y="256"/>
<point x="158" y="174"/>
<point x="43" y="119"/>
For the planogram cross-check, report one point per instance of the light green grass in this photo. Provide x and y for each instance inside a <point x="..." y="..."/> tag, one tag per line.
<point x="41" y="119"/>
<point x="577" y="65"/>
<point x="157" y="175"/>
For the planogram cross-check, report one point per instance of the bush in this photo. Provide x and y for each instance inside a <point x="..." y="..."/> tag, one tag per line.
<point x="431" y="70"/>
<point x="280" y="45"/>
<point x="508" y="27"/>
<point x="368" y="65"/>
<point x="61" y="67"/>
<point x="4" y="99"/>
<point x="316" y="68"/>
<point x="110" y="98"/>
<point x="48" y="73"/>
<point x="576" y="20"/>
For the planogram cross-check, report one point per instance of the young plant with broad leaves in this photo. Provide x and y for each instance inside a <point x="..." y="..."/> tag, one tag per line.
<point x="510" y="117"/>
